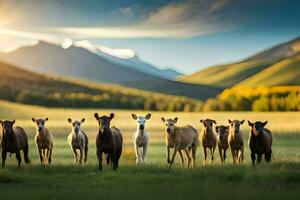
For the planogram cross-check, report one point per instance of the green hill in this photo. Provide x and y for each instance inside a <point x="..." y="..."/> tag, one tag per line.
<point x="284" y="72"/>
<point x="226" y="75"/>
<point x="254" y="69"/>
<point x="23" y="86"/>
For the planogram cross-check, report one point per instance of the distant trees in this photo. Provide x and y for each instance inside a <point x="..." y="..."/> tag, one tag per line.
<point x="284" y="98"/>
<point x="31" y="88"/>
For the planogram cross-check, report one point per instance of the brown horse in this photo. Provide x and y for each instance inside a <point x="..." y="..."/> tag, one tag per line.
<point x="109" y="141"/>
<point x="180" y="138"/>
<point x="222" y="140"/>
<point x="14" y="140"/>
<point x="208" y="138"/>
<point x="77" y="139"/>
<point x="236" y="140"/>
<point x="43" y="140"/>
<point x="260" y="141"/>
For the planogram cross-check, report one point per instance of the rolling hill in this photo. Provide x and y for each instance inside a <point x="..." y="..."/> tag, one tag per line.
<point x="19" y="85"/>
<point x="234" y="74"/>
<point x="285" y="72"/>
<point x="84" y="62"/>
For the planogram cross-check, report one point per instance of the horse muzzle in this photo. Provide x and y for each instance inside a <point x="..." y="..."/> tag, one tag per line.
<point x="141" y="127"/>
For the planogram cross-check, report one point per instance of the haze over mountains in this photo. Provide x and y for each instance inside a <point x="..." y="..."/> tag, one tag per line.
<point x="279" y="65"/>
<point x="85" y="61"/>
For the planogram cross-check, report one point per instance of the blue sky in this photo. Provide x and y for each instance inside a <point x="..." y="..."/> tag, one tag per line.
<point x="184" y="35"/>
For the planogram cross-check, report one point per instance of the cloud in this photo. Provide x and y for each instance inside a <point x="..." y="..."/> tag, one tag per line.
<point x="30" y="35"/>
<point x="175" y="20"/>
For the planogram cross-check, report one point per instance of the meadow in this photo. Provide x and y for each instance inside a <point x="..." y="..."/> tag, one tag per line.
<point x="277" y="180"/>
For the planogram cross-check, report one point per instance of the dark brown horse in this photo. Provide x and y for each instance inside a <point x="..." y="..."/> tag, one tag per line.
<point x="222" y="140"/>
<point x="109" y="141"/>
<point x="260" y="141"/>
<point x="14" y="140"/>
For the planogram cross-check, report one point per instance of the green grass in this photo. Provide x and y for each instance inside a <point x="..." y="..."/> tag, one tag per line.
<point x="277" y="180"/>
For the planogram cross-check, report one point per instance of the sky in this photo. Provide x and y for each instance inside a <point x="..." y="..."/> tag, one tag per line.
<point x="184" y="35"/>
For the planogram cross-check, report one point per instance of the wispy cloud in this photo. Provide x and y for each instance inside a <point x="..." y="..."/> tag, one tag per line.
<point x="30" y="35"/>
<point x="175" y="20"/>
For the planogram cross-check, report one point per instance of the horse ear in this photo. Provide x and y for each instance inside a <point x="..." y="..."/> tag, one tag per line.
<point x="250" y="124"/>
<point x="13" y="121"/>
<point x="148" y="116"/>
<point x="111" y="116"/>
<point x="96" y="116"/>
<point x="163" y="119"/>
<point x="217" y="128"/>
<point x="229" y="121"/>
<point x="134" y="116"/>
<point x="242" y="121"/>
<point x="201" y="120"/>
<point x="82" y="120"/>
<point x="69" y="120"/>
<point x="33" y="119"/>
<point x="214" y="121"/>
<point x="175" y="119"/>
<point x="46" y="119"/>
<point x="265" y="123"/>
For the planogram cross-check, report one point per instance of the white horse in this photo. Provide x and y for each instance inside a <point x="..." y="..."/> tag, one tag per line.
<point x="141" y="138"/>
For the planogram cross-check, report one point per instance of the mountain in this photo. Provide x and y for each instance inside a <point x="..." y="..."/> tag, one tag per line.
<point x="81" y="60"/>
<point x="124" y="57"/>
<point x="232" y="74"/>
<point x="278" y="52"/>
<point x="283" y="73"/>
<point x="19" y="85"/>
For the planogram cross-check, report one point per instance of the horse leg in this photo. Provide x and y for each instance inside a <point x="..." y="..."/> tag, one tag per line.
<point x="81" y="155"/>
<point x="50" y="155"/>
<point x="268" y="155"/>
<point x="85" y="153"/>
<point x="114" y="159"/>
<point x="40" y="154"/>
<point x="75" y="155"/>
<point x="224" y="155"/>
<point x="107" y="159"/>
<point x="241" y="156"/>
<point x="119" y="153"/>
<point x="145" y="149"/>
<point x="168" y="154"/>
<point x="25" y="152"/>
<point x="173" y="157"/>
<point x="194" y="150"/>
<point x="137" y="154"/>
<point x="4" y="154"/>
<point x="181" y="157"/>
<point x="212" y="150"/>
<point x="221" y="155"/>
<point x="188" y="156"/>
<point x="233" y="155"/>
<point x="44" y="156"/>
<point x="205" y="155"/>
<point x="99" y="156"/>
<point x="259" y="156"/>
<point x="253" y="158"/>
<point x="18" y="156"/>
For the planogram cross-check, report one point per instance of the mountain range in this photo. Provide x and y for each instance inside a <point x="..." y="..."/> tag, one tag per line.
<point x="88" y="62"/>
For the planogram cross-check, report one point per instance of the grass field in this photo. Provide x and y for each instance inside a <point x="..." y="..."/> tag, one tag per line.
<point x="63" y="179"/>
